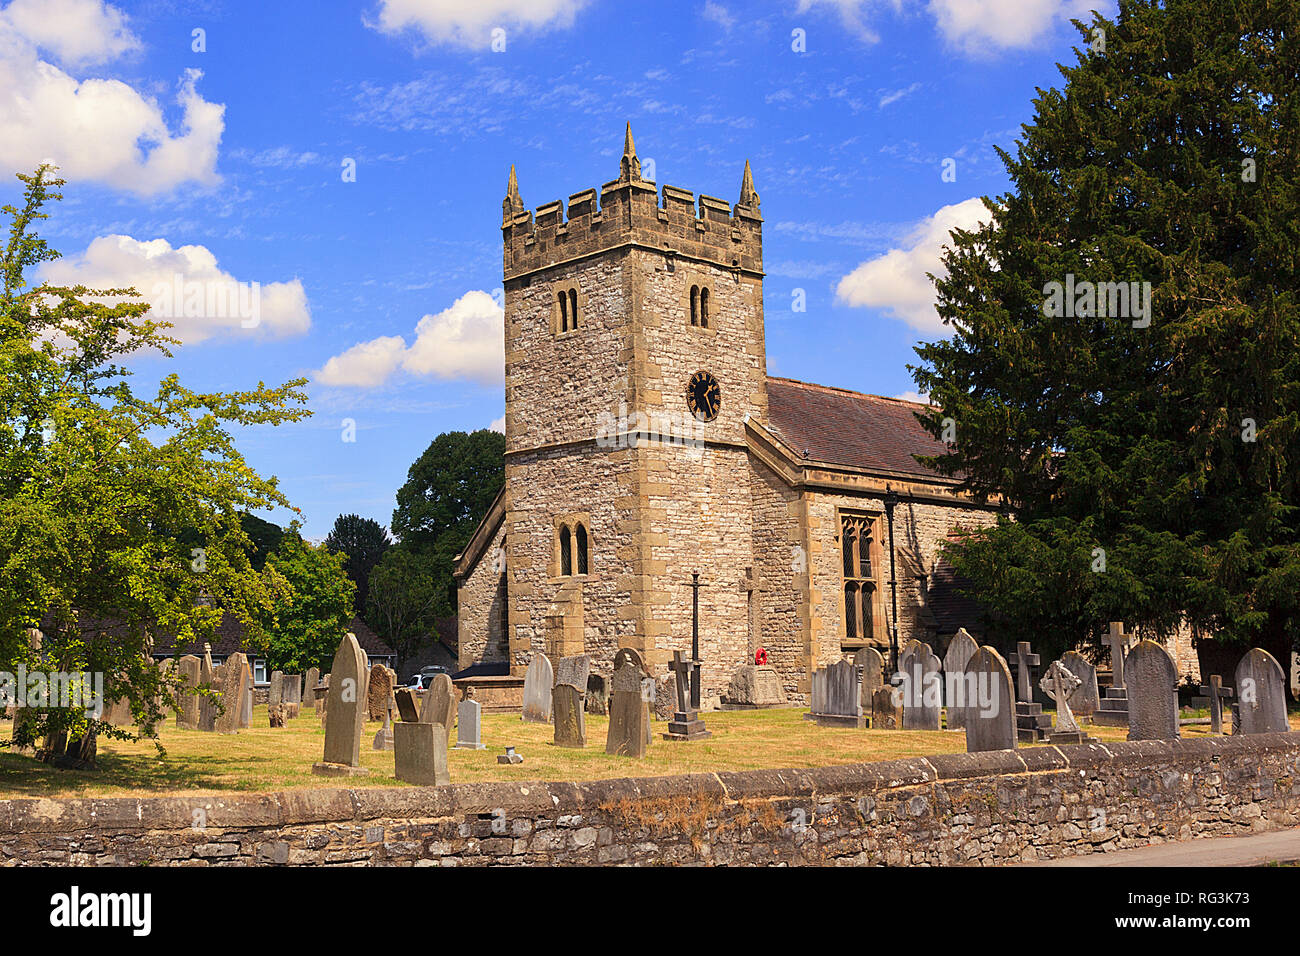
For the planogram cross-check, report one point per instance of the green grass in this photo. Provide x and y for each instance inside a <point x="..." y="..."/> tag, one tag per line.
<point x="260" y="759"/>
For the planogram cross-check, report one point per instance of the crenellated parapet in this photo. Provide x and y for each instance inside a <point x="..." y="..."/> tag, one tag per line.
<point x="631" y="211"/>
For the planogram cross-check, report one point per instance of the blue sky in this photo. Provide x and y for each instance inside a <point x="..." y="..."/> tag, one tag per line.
<point x="227" y="165"/>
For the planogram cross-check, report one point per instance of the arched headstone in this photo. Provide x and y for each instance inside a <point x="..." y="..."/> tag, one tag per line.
<point x="1261" y="694"/>
<point x="991" y="724"/>
<point x="1152" y="683"/>
<point x="956" y="664"/>
<point x="922" y="687"/>
<point x="872" y="665"/>
<point x="538" y="681"/>
<point x="1087" y="698"/>
<point x="345" y="712"/>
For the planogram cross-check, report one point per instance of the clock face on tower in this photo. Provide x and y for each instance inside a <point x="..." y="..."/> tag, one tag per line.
<point x="703" y="396"/>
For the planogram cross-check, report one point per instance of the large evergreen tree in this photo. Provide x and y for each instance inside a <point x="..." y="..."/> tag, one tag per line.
<point x="1167" y="453"/>
<point x="363" y="542"/>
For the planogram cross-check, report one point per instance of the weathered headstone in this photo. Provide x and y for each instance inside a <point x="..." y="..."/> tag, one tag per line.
<point x="597" y="695"/>
<point x="275" y="693"/>
<point x="956" y="660"/>
<point x="872" y="665"/>
<point x="207" y="705"/>
<point x="379" y="689"/>
<point x="420" y="753"/>
<point x="1087" y="698"/>
<point x="835" y="700"/>
<point x="629" y="713"/>
<point x="187" y="715"/>
<point x="469" y="725"/>
<point x="1152" y="681"/>
<point x="234" y="694"/>
<point x="246" y="709"/>
<point x="922" y="686"/>
<point x="1261" y="694"/>
<point x="345" y="713"/>
<point x="570" y="716"/>
<point x="276" y="714"/>
<point x="884" y="709"/>
<point x="538" y="681"/>
<point x="992" y="725"/>
<point x="309" y="686"/>
<point x="408" y="706"/>
<point x="754" y="687"/>
<point x="291" y="689"/>
<point x="573" y="671"/>
<point x="440" y="705"/>
<point x="1112" y="710"/>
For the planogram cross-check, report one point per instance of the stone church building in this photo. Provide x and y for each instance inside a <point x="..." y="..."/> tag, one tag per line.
<point x="645" y="443"/>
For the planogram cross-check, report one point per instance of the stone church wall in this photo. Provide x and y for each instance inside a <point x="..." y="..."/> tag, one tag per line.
<point x="481" y="608"/>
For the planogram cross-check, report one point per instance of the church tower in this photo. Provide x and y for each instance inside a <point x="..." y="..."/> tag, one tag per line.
<point x="634" y="356"/>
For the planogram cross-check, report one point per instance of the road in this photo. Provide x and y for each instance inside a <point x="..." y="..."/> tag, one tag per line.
<point x="1277" y="846"/>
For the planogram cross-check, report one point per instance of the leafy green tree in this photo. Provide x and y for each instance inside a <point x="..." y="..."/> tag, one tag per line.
<point x="311" y="607"/>
<point x="1150" y="461"/>
<point x="407" y="593"/>
<point x="447" y="492"/>
<point x="98" y="483"/>
<point x="363" y="541"/>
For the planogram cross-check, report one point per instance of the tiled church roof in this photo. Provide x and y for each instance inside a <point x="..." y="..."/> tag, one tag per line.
<point x="839" y="427"/>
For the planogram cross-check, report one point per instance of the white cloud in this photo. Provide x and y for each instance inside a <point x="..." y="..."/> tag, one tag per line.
<point x="498" y="425"/>
<point x="718" y="14"/>
<point x="187" y="287"/>
<point x="96" y="129"/>
<point x="975" y="26"/>
<point x="471" y="24"/>
<point x="893" y="96"/>
<point x="979" y="26"/>
<point x="365" y="365"/>
<point x="76" y="32"/>
<point x="464" y="341"/>
<point x="912" y="395"/>
<point x="897" y="282"/>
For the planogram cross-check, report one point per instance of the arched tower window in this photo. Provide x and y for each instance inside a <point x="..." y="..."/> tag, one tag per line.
<point x="566" y="550"/>
<point x="564" y="312"/>
<point x="573" y="307"/>
<point x="704" y="308"/>
<point x="582" y="549"/>
<point x="695" y="305"/>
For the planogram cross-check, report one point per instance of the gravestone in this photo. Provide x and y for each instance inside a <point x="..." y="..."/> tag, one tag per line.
<point x="379" y="689"/>
<point x="384" y="736"/>
<point x="345" y="713"/>
<point x="246" y="711"/>
<point x="570" y="716"/>
<point x="1112" y="710"/>
<point x="922" y="687"/>
<point x="207" y="706"/>
<point x="1087" y="698"/>
<point x="956" y="660"/>
<point x="872" y="665"/>
<point x="420" y="753"/>
<point x="1061" y="684"/>
<point x="1217" y="694"/>
<point x="573" y="671"/>
<point x="884" y="709"/>
<point x="234" y="694"/>
<point x="1031" y="723"/>
<point x="538" y="681"/>
<point x="754" y="687"/>
<point x="276" y="714"/>
<point x="597" y="695"/>
<point x="686" y="723"/>
<point x="469" y="725"/>
<point x="629" y="712"/>
<point x="835" y="701"/>
<point x="275" y="693"/>
<point x="992" y="726"/>
<point x="408" y="706"/>
<point x="1152" y="681"/>
<point x="292" y="689"/>
<point x="309" y="686"/>
<point x="187" y="715"/>
<point x="1261" y="694"/>
<point x="440" y="705"/>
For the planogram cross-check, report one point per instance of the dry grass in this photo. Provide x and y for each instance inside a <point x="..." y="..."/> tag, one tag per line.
<point x="262" y="759"/>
